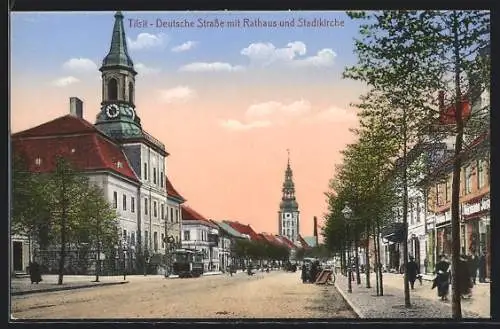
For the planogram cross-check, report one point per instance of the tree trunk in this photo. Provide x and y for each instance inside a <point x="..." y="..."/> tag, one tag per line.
<point x="63" y="229"/>
<point x="377" y="260"/>
<point x="342" y="259"/>
<point x="356" y="255"/>
<point x="379" y="266"/>
<point x="405" y="211"/>
<point x="456" y="306"/>
<point x="367" y="256"/>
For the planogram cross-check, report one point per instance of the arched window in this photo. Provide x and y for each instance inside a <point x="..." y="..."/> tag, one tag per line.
<point x="131" y="92"/>
<point x="112" y="89"/>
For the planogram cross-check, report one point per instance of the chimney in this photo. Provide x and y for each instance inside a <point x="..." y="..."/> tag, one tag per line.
<point x="441" y="100"/>
<point x="76" y="107"/>
<point x="315" y="229"/>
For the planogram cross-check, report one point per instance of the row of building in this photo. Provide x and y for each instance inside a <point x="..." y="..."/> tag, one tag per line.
<point x="129" y="164"/>
<point x="429" y="194"/>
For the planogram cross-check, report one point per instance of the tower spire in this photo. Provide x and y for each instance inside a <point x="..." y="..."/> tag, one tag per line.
<point x="118" y="53"/>
<point x="288" y="151"/>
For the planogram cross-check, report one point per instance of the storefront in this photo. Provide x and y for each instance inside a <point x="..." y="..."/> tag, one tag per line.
<point x="476" y="229"/>
<point x="443" y="239"/>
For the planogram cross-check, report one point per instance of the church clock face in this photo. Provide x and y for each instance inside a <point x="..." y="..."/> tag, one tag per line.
<point x="112" y="111"/>
<point x="288" y="215"/>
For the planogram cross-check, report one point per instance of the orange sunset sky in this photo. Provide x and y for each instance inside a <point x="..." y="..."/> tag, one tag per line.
<point x="227" y="103"/>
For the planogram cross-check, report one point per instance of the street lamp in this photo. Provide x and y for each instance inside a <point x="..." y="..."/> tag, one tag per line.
<point x="347" y="212"/>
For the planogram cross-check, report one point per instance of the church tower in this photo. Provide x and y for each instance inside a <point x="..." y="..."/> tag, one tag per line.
<point x="288" y="215"/>
<point x="117" y="117"/>
<point x="119" y="120"/>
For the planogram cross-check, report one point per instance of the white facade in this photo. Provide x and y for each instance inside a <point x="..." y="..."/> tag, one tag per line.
<point x="195" y="236"/>
<point x="224" y="247"/>
<point x="289" y="225"/>
<point x="173" y="216"/>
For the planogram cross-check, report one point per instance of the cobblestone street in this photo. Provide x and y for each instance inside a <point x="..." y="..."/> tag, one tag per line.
<point x="264" y="295"/>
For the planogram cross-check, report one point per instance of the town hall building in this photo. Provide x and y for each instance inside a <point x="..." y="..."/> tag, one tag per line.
<point x="288" y="215"/>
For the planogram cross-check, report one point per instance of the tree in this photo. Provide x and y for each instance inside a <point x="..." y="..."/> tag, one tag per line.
<point x="99" y="229"/>
<point x="409" y="56"/>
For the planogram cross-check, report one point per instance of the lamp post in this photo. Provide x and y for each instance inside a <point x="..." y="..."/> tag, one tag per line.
<point x="347" y="212"/>
<point x="124" y="249"/>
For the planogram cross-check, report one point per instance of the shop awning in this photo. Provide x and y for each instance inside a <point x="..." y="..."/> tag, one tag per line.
<point x="393" y="232"/>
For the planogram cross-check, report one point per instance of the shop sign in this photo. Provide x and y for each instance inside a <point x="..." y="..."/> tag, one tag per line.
<point x="485" y="203"/>
<point x="471" y="209"/>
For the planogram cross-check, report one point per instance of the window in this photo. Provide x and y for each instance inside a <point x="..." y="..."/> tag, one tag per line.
<point x="176" y="215"/>
<point x="132" y="239"/>
<point x="131" y="92"/>
<point x="145" y="171"/>
<point x="480" y="173"/>
<point x="146" y="206"/>
<point x="38" y="161"/>
<point x="155" y="240"/>
<point x="161" y="179"/>
<point x="132" y="204"/>
<point x="163" y="240"/>
<point x="449" y="183"/>
<point x="176" y="239"/>
<point x="124" y="202"/>
<point x="146" y="236"/>
<point x="172" y="215"/>
<point x="468" y="179"/>
<point x="124" y="237"/>
<point x="186" y="236"/>
<point x="154" y="175"/>
<point x="162" y="211"/>
<point x="410" y="210"/>
<point x="115" y="200"/>
<point x="155" y="213"/>
<point x="439" y="198"/>
<point x="112" y="89"/>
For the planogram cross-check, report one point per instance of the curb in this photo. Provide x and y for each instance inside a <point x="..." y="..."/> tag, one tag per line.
<point x="348" y="301"/>
<point x="27" y="292"/>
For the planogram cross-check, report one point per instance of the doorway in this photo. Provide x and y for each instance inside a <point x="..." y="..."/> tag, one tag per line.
<point x="17" y="251"/>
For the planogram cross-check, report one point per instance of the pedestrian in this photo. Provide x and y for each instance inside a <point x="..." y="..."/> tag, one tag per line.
<point x="473" y="262"/>
<point x="464" y="281"/>
<point x="482" y="268"/>
<point x="442" y="279"/>
<point x="412" y="272"/>
<point x="35" y="273"/>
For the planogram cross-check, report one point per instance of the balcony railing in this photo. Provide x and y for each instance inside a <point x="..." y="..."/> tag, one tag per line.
<point x="153" y="140"/>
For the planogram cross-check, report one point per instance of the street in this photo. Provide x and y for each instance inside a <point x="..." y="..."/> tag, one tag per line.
<point x="264" y="295"/>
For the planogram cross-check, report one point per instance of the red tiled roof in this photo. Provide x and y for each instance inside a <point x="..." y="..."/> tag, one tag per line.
<point x="189" y="213"/>
<point x="64" y="125"/>
<point x="171" y="191"/>
<point x="244" y="229"/>
<point x="79" y="142"/>
<point x="272" y="239"/>
<point x="287" y="241"/>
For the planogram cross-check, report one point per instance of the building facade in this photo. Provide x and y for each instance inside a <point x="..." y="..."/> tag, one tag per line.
<point x="199" y="233"/>
<point x="118" y="118"/>
<point x="288" y="214"/>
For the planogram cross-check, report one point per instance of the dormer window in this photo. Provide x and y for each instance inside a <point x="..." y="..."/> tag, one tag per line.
<point x="119" y="164"/>
<point x="38" y="161"/>
<point x="73" y="150"/>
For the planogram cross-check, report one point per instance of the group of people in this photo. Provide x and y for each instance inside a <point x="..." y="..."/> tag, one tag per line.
<point x="468" y="268"/>
<point x="310" y="271"/>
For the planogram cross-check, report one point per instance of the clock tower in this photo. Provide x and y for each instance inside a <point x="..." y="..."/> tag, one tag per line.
<point x="288" y="215"/>
<point x="117" y="117"/>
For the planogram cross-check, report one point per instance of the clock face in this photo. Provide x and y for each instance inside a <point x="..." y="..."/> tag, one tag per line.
<point x="288" y="215"/>
<point x="112" y="111"/>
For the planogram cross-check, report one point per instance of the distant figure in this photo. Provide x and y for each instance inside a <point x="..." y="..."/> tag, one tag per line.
<point x="482" y="268"/>
<point x="412" y="271"/>
<point x="473" y="263"/>
<point x="304" y="273"/>
<point x="464" y="277"/>
<point x="442" y="280"/>
<point x="35" y="273"/>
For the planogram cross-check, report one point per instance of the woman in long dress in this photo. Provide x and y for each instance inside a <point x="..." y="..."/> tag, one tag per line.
<point x="442" y="280"/>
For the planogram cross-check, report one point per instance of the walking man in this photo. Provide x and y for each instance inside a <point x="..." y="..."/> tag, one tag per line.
<point x="412" y="271"/>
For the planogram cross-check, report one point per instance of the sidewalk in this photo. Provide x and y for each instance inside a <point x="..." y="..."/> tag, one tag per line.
<point x="424" y="300"/>
<point x="23" y="286"/>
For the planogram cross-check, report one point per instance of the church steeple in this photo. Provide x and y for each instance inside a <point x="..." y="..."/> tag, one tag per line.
<point x="288" y="222"/>
<point x="118" y="53"/>
<point x="118" y="117"/>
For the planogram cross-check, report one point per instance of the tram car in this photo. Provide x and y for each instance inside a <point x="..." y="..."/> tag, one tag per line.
<point x="187" y="263"/>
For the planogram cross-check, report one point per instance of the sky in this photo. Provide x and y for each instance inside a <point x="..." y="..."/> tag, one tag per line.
<point x="227" y="101"/>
